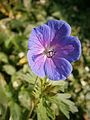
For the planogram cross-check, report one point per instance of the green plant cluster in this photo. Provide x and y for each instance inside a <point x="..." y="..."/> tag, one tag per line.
<point x="24" y="96"/>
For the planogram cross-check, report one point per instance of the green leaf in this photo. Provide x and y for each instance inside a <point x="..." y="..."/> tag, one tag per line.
<point x="63" y="96"/>
<point x="71" y="105"/>
<point x="15" y="111"/>
<point x="3" y="110"/>
<point x="9" y="69"/>
<point x="64" y="108"/>
<point x="64" y="104"/>
<point x="41" y="111"/>
<point x="59" y="85"/>
<point x="25" y="99"/>
<point x="3" y="36"/>
<point x="16" y="24"/>
<point x="51" y="113"/>
<point x="29" y="77"/>
<point x="3" y="57"/>
<point x="3" y="91"/>
<point x="3" y="97"/>
<point x="64" y="99"/>
<point x="61" y="106"/>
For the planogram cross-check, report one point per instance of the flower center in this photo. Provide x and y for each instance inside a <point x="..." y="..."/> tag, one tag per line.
<point x="50" y="53"/>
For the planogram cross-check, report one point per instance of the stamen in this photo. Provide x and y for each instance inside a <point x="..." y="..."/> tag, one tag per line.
<point x="50" y="53"/>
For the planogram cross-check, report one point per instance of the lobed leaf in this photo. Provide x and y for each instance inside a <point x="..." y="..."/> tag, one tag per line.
<point x="41" y="111"/>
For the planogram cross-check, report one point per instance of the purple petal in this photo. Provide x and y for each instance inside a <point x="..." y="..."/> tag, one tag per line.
<point x="40" y="37"/>
<point x="36" y="62"/>
<point x="60" y="28"/>
<point x="57" y="69"/>
<point x="69" y="48"/>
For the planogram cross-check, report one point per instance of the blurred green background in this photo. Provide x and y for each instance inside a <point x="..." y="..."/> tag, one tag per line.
<point x="17" y="18"/>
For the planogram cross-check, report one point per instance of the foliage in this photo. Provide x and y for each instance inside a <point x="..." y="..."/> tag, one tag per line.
<point x="23" y="95"/>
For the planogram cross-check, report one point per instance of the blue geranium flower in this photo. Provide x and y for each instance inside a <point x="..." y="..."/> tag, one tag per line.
<point x="52" y="49"/>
